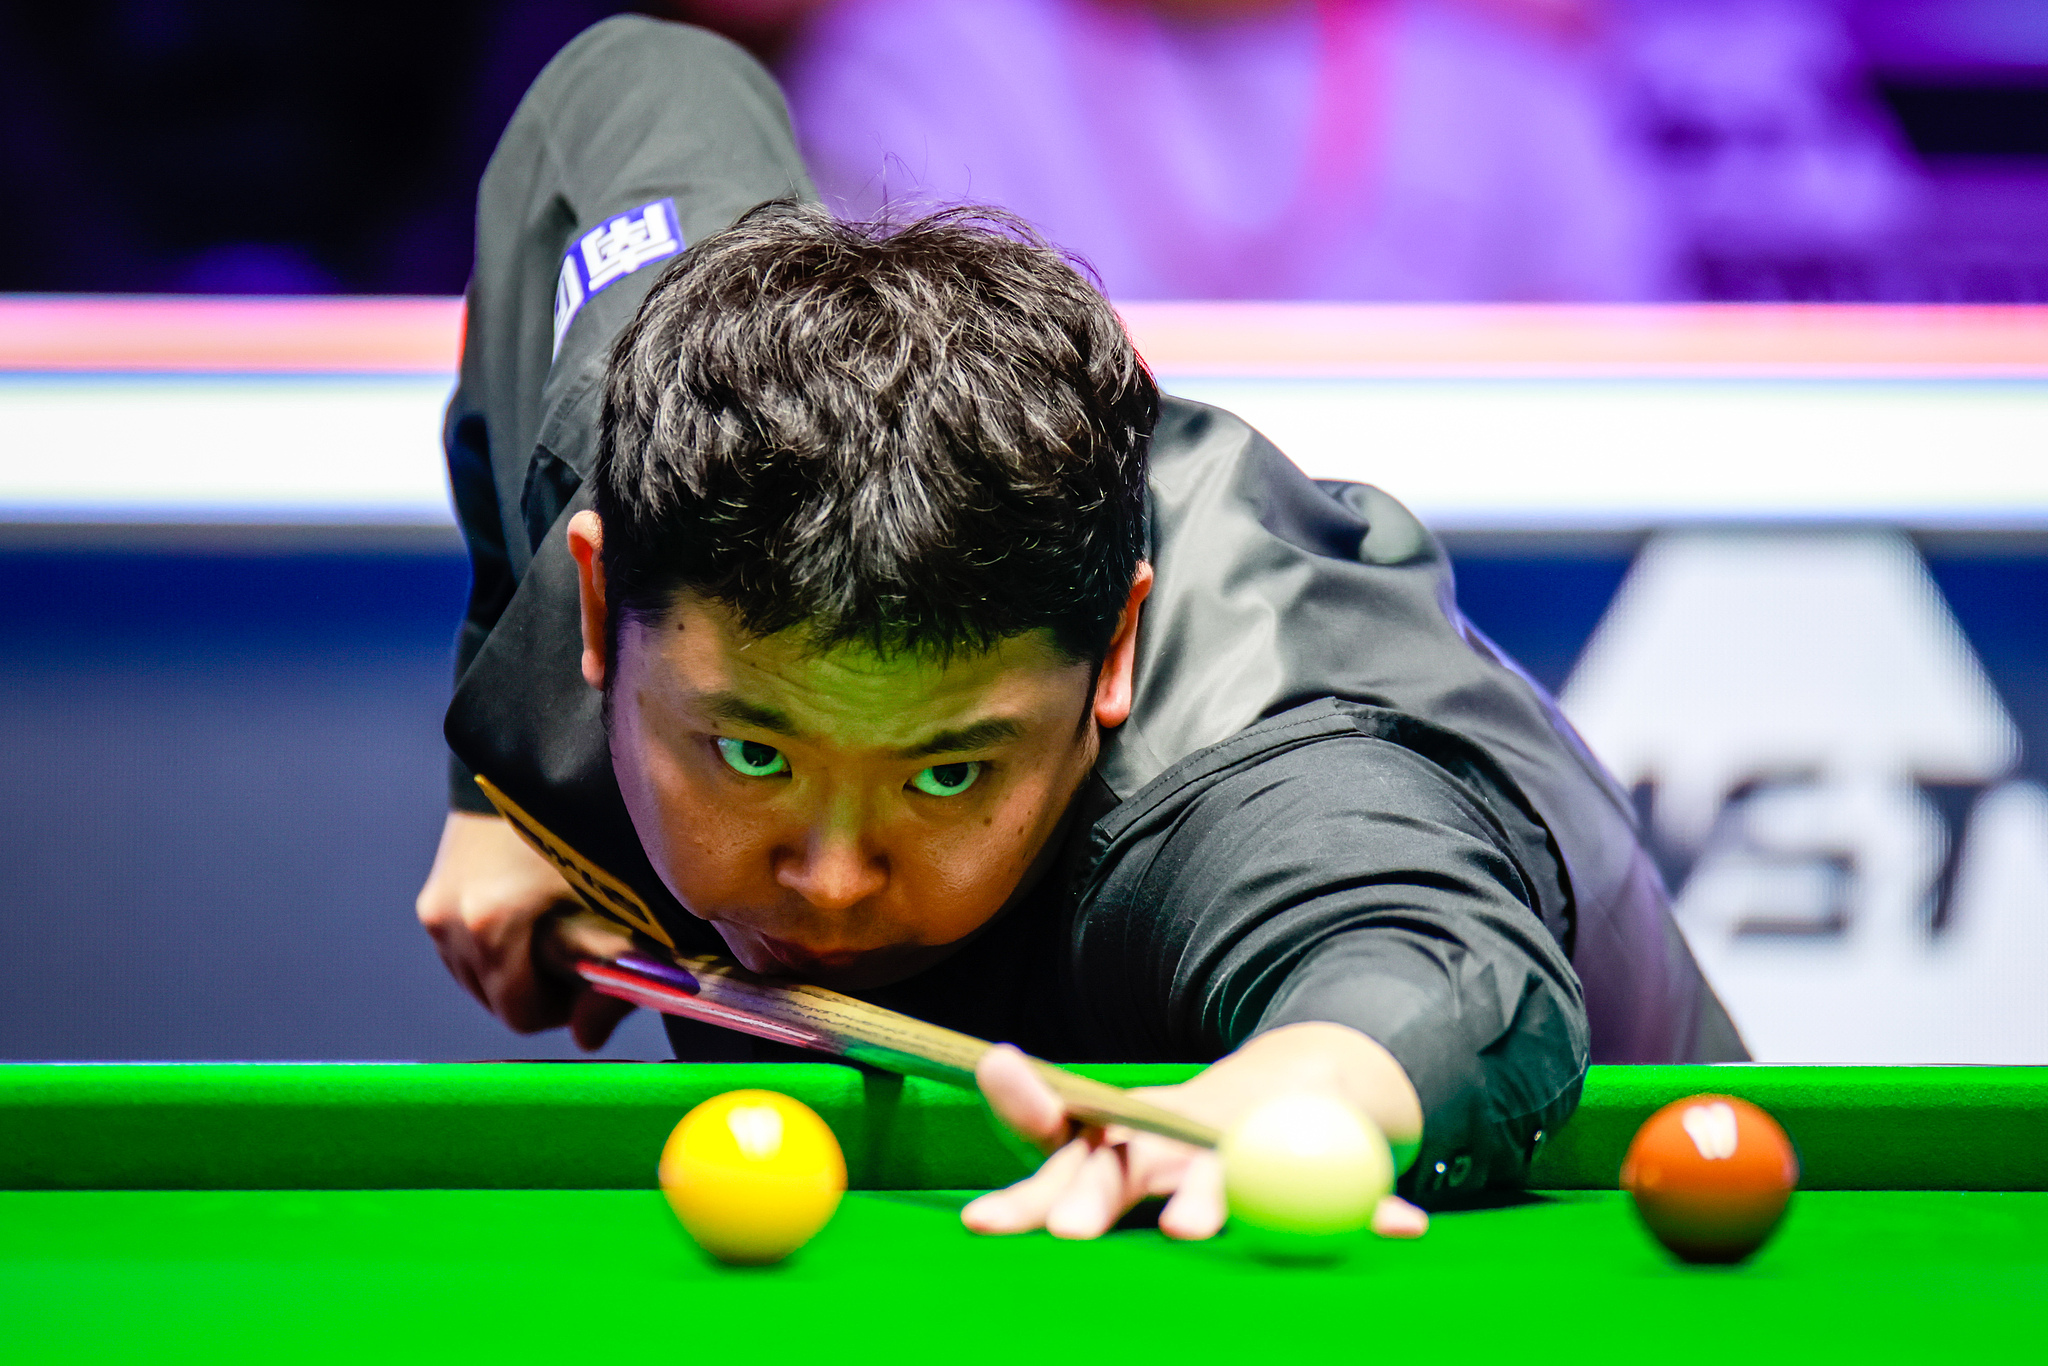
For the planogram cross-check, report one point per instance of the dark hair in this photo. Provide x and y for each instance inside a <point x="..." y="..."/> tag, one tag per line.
<point x="922" y="438"/>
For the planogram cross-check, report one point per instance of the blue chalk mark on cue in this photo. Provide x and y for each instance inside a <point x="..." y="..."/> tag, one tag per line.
<point x="654" y="967"/>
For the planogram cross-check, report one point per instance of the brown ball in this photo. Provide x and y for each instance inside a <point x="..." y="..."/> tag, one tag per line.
<point x="1711" y="1176"/>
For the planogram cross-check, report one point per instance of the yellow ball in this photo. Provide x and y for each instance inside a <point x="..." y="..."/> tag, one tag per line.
<point x="752" y="1175"/>
<point x="1305" y="1164"/>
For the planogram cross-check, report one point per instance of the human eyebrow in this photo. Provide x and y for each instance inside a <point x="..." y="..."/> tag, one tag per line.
<point x="726" y="706"/>
<point x="980" y="735"/>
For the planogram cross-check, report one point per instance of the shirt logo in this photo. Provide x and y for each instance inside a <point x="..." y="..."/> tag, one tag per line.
<point x="600" y="891"/>
<point x="611" y="251"/>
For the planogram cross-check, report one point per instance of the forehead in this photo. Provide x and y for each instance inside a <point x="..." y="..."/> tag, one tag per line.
<point x="698" y="652"/>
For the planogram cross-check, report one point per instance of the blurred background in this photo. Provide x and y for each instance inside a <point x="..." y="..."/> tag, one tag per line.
<point x="1795" y="591"/>
<point x="1445" y="149"/>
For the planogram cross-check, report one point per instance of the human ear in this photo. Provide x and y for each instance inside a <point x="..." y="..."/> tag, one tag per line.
<point x="1113" y="683"/>
<point x="586" y="543"/>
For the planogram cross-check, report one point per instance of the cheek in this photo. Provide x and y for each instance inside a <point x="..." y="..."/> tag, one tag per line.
<point x="952" y="893"/>
<point x="971" y="870"/>
<point x="702" y="847"/>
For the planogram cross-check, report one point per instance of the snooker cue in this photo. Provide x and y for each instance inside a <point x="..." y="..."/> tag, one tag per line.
<point x="718" y="991"/>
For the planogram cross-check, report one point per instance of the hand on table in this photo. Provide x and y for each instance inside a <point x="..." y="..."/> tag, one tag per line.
<point x="487" y="892"/>
<point x="1090" y="1179"/>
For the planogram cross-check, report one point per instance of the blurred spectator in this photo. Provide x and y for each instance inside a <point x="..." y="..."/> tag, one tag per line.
<point x="1968" y="80"/>
<point x="764" y="27"/>
<point x="1391" y="149"/>
<point x="1324" y="149"/>
<point x="1783" y="175"/>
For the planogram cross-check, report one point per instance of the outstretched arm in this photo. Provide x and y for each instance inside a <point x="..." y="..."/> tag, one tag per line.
<point x="1347" y="901"/>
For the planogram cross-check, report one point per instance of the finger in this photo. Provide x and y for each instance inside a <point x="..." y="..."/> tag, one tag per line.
<point x="470" y="982"/>
<point x="1197" y="1208"/>
<point x="458" y="953"/>
<point x="1096" y="1197"/>
<point x="1022" y="1207"/>
<point x="593" y="1018"/>
<point x="519" y="994"/>
<point x="519" y="998"/>
<point x="569" y="932"/>
<point x="1021" y="1098"/>
<point x="1396" y="1218"/>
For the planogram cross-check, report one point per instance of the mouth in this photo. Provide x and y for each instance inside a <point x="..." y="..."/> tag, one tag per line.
<point x="800" y="961"/>
<point x="839" y="969"/>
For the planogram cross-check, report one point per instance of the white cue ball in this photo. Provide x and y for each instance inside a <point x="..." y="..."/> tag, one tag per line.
<point x="1305" y="1164"/>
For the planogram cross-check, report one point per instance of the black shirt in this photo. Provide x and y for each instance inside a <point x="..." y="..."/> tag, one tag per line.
<point x="1334" y="799"/>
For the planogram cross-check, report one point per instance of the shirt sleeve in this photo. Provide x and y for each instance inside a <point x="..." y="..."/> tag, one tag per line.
<point x="465" y="441"/>
<point x="1395" y="887"/>
<point x="639" y="138"/>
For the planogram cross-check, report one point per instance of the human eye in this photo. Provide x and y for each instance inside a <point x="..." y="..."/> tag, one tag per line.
<point x="751" y="757"/>
<point x="947" y="780"/>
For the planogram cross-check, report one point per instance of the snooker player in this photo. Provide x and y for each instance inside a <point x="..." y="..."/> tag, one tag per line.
<point x="847" y="600"/>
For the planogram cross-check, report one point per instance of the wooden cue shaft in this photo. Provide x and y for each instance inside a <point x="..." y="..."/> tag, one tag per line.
<point x="718" y="991"/>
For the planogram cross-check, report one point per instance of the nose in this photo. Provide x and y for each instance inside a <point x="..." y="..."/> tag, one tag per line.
<point x="833" y="868"/>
